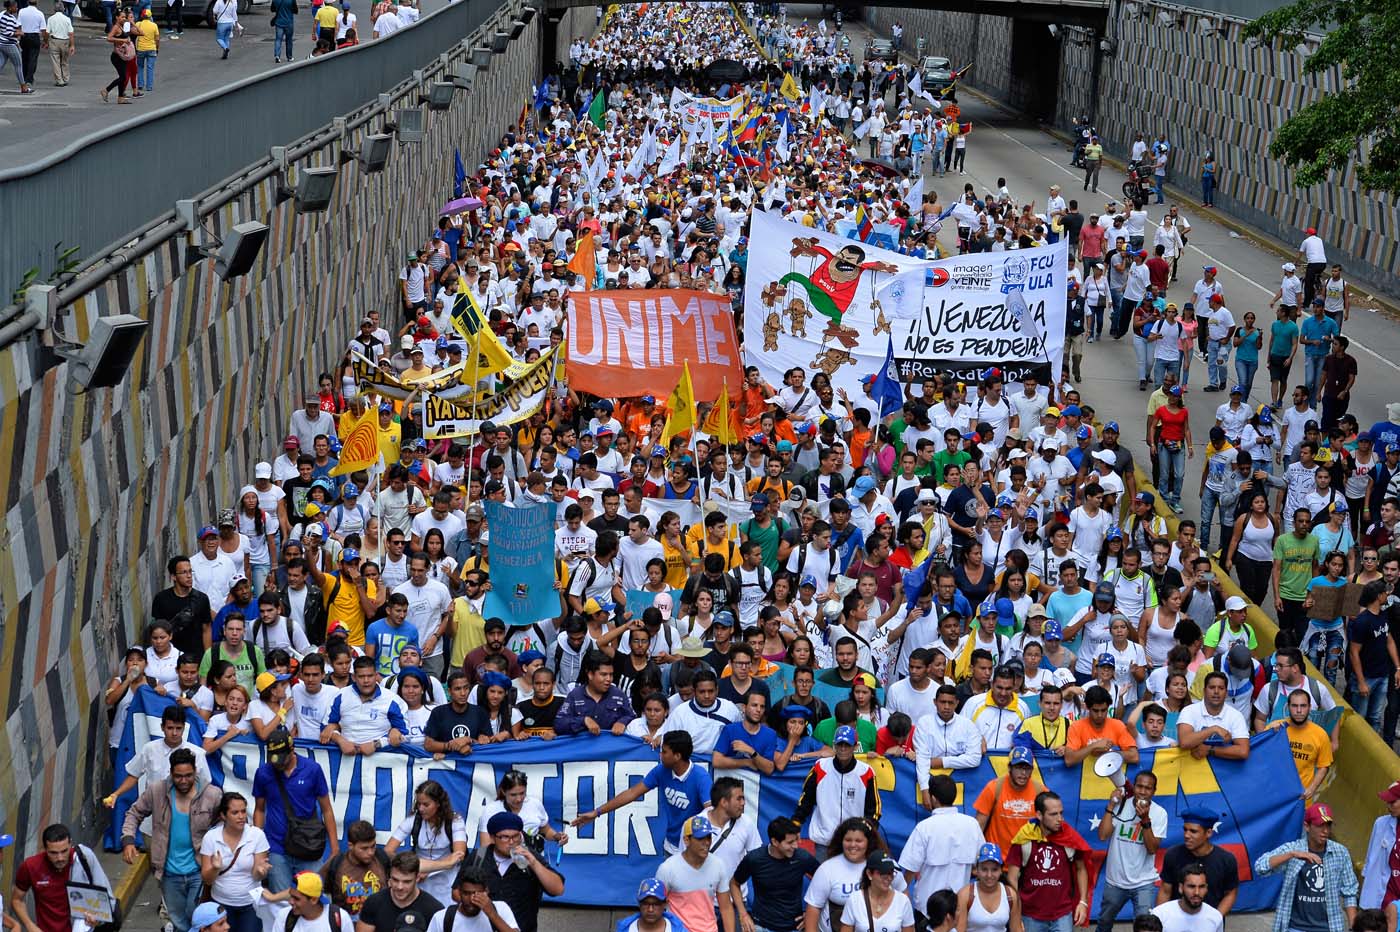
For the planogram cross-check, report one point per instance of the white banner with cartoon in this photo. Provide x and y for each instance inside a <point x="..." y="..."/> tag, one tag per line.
<point x="820" y="302"/>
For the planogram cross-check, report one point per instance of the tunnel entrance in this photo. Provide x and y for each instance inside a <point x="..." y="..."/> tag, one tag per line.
<point x="1035" y="70"/>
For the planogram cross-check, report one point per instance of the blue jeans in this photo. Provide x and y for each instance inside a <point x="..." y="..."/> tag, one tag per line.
<point x="1244" y="374"/>
<point x="1210" y="502"/>
<point x="181" y="894"/>
<point x="1143" y="349"/>
<point x="260" y="571"/>
<point x="1160" y="367"/>
<point x="1372" y="707"/>
<point x="109" y="10"/>
<point x="1064" y="924"/>
<point x="1217" y="355"/>
<point x="1324" y="649"/>
<point x="1207" y="189"/>
<point x="223" y="32"/>
<point x="284" y="868"/>
<point x="1111" y="903"/>
<point x="1171" y="469"/>
<point x="146" y="74"/>
<point x="1157" y="182"/>
<point x="1312" y="377"/>
<point x="282" y="33"/>
<point x="242" y="918"/>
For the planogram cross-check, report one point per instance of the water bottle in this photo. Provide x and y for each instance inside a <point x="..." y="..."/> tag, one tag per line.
<point x="520" y="858"/>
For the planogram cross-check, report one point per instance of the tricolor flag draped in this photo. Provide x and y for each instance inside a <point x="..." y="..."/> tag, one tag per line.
<point x="359" y="442"/>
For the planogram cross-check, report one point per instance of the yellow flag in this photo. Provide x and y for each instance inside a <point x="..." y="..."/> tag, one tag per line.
<point x="471" y="323"/>
<point x="789" y="89"/>
<point x="720" y="422"/>
<point x="359" y="444"/>
<point x="681" y="404"/>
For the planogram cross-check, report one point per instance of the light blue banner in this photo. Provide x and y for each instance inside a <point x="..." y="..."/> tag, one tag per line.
<point x="522" y="559"/>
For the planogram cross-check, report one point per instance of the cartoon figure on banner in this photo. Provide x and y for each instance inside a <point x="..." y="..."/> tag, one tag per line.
<point x="829" y="359"/>
<point x="882" y="323"/>
<point x="773" y="320"/>
<point x="831" y="285"/>
<point x="797" y="318"/>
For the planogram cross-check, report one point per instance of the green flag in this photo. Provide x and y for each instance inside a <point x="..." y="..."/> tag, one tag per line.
<point x="595" y="110"/>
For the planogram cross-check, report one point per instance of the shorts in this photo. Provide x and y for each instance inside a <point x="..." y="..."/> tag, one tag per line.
<point x="1278" y="368"/>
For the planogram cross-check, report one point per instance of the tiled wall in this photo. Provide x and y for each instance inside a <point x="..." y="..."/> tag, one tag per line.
<point x="101" y="489"/>
<point x="1206" y="92"/>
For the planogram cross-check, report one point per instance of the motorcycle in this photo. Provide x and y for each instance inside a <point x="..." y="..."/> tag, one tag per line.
<point x="1139" y="183"/>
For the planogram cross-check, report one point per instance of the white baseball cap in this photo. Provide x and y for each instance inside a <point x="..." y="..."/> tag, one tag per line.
<point x="262" y="471"/>
<point x="1235" y="604"/>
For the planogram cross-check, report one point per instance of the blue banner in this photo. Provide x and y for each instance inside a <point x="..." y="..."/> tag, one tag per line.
<point x="609" y="858"/>
<point x="522" y="549"/>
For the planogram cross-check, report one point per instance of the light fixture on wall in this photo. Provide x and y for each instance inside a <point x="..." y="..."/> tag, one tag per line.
<point x="463" y="75"/>
<point x="527" y="13"/>
<point x="372" y="154"/>
<point x="314" y="185"/>
<point x="1054" y="30"/>
<point x="1107" y="46"/>
<point x="516" y="28"/>
<point x="500" y="41"/>
<point x="1168" y="18"/>
<point x="1209" y="26"/>
<point x="234" y="254"/>
<point x="440" y="95"/>
<point x="1131" y="10"/>
<point x="1306" y="47"/>
<point x="103" y="360"/>
<point x="481" y="57"/>
<point x="410" y="124"/>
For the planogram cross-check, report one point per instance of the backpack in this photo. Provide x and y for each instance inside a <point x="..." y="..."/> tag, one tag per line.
<point x="252" y="655"/>
<point x="332" y="918"/>
<point x="832" y="573"/>
<point x="1313" y="689"/>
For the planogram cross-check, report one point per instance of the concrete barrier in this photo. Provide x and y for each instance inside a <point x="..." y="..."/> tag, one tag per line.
<point x="1364" y="765"/>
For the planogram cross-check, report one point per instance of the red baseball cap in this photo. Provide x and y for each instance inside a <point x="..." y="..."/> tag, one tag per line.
<point x="291" y="443"/>
<point x="1317" y="814"/>
<point x="1311" y="231"/>
<point x="1391" y="793"/>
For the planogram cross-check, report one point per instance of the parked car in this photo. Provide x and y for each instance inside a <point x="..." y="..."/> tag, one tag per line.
<point x="937" y="72"/>
<point x="880" y="50"/>
<point x="195" y="11"/>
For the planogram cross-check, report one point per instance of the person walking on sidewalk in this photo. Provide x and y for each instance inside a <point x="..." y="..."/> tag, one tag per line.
<point x="284" y="22"/>
<point x="226" y="22"/>
<point x="60" y="43"/>
<point x="1093" y="161"/>
<point x="147" y="47"/>
<point x="123" y="50"/>
<point x="10" y="35"/>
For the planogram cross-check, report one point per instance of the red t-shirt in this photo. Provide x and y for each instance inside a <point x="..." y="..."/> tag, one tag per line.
<point x="1173" y="423"/>
<point x="1047" y="883"/>
<point x="1158" y="271"/>
<point x="50" y="892"/>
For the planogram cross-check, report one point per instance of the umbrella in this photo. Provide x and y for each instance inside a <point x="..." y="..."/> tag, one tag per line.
<point x="882" y="167"/>
<point x="459" y="205"/>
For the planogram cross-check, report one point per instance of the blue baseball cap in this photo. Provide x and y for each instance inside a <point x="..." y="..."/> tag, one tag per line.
<point x="758" y="502"/>
<point x="1105" y="659"/>
<point x="529" y="656"/>
<point x="1032" y="514"/>
<point x="442" y="342"/>
<point x="1053" y="631"/>
<point x="1083" y="433"/>
<point x="1200" y="817"/>
<point x="206" y="914"/>
<point x="808" y="580"/>
<point x="1020" y="755"/>
<point x="386" y="408"/>
<point x="349" y="555"/>
<point x="208" y="531"/>
<point x="989" y="851"/>
<point x="651" y="400"/>
<point x="846" y="734"/>
<point x="658" y="450"/>
<point x="1147" y="498"/>
<point x="796" y="711"/>
<point x="698" y="827"/>
<point x="1113" y="426"/>
<point x="1071" y="411"/>
<point x="651" y="889"/>
<point x="863" y="486"/>
<point x="784" y="446"/>
<point x="349" y="490"/>
<point x="1113" y="533"/>
<point x="988" y="607"/>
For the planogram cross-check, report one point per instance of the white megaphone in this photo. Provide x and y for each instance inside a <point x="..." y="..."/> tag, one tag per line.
<point x="1110" y="765"/>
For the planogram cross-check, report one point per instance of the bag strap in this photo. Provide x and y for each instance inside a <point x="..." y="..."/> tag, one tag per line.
<point x="286" y="801"/>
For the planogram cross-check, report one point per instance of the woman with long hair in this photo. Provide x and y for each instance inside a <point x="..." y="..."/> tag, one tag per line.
<point x="973" y="577"/>
<point x="800" y="652"/>
<point x="162" y="659"/>
<point x="233" y="860"/>
<point x="835" y="883"/>
<point x="1157" y="626"/>
<point x="441" y="567"/>
<point x="867" y="702"/>
<point x="1251" y="548"/>
<point x="512" y="796"/>
<point x="1176" y="696"/>
<point x="1324" y="640"/>
<point x="1110" y="555"/>
<point x="438" y="836"/>
<point x="775" y="638"/>
<point x="1012" y="588"/>
<point x="1169" y="440"/>
<point x="697" y="623"/>
<point x="987" y="904"/>
<point x="230" y="723"/>
<point x="260" y="528"/>
<point x="493" y="695"/>
<point x="648" y="725"/>
<point x="412" y="689"/>
<point x="222" y="677"/>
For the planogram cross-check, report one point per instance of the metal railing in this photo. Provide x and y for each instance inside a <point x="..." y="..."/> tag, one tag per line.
<point x="196" y="148"/>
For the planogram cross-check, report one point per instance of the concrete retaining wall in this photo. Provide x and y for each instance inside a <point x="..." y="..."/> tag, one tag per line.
<point x="101" y="489"/>
<point x="1206" y="92"/>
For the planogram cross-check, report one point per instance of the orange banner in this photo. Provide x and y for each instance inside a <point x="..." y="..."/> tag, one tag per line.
<point x="634" y="342"/>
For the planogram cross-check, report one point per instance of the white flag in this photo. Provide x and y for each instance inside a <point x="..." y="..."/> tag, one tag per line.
<point x="915" y="197"/>
<point x="1016" y="304"/>
<point x="816" y="101"/>
<point x="783" y="149"/>
<point x="902" y="296"/>
<point x="863" y="128"/>
<point x="821" y="26"/>
<point x="672" y="159"/>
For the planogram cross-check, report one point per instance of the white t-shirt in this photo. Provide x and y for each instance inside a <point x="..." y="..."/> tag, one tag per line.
<point x="426" y="606"/>
<point x="477" y="923"/>
<point x="433" y="844"/>
<point x="835" y="883"/>
<point x="235" y="886"/>
<point x="424" y="522"/>
<point x="1129" y="865"/>
<point x="312" y="708"/>
<point x="1175" y="919"/>
<point x="1089" y="530"/>
<point x="532" y="813"/>
<point x="1229" y="718"/>
<point x="899" y="915"/>
<point x="214" y="578"/>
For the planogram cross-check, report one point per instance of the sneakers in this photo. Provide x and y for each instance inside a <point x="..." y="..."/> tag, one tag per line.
<point x="276" y="60"/>
<point x="1142" y="385"/>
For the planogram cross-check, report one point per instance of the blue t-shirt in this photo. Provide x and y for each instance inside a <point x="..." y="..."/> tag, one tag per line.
<point x="1324" y="624"/>
<point x="305" y="787"/>
<point x="179" y="853"/>
<point x="1282" y="335"/>
<point x="764" y="744"/>
<point x="388" y="641"/>
<point x="248" y="613"/>
<point x="681" y="797"/>
<point x="1314" y="329"/>
<point x="1248" y="350"/>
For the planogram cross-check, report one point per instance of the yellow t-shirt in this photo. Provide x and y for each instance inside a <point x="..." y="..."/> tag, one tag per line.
<point x="729" y="549"/>
<point x="677" y="564"/>
<point x="390" y="439"/>
<point x="147" y="33"/>
<point x="346" y="610"/>
<point x="326" y="16"/>
<point x="1311" y="749"/>
<point x="469" y="631"/>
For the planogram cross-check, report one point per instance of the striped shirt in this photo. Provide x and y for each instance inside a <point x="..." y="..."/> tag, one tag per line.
<point x="9" y="29"/>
